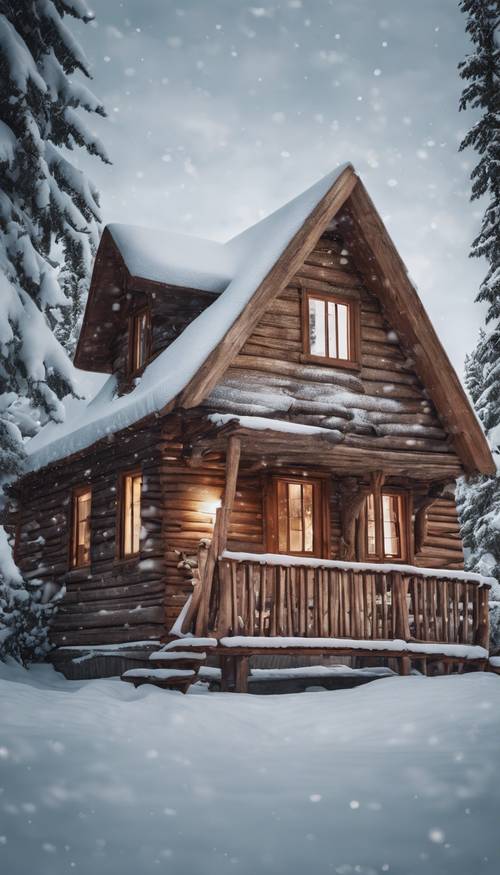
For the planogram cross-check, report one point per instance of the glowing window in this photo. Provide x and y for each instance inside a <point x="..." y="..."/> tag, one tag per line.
<point x="295" y="516"/>
<point x="80" y="539"/>
<point x="131" y="514"/>
<point x="384" y="526"/>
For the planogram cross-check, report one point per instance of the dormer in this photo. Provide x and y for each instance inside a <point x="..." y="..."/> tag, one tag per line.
<point x="145" y="290"/>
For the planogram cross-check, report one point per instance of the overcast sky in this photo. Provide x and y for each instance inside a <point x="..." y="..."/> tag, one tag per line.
<point x="221" y="110"/>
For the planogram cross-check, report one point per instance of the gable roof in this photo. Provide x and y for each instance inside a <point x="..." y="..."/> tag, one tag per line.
<point x="263" y="260"/>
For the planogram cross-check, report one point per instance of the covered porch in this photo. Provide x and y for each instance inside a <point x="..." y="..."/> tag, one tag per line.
<point x="254" y="603"/>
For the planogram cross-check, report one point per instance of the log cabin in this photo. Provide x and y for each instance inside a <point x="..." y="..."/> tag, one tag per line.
<point x="270" y="464"/>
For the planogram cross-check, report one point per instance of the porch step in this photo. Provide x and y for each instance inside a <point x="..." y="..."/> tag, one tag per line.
<point x="175" y="666"/>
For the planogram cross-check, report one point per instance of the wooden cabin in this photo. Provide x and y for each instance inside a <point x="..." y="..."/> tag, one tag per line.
<point x="270" y="465"/>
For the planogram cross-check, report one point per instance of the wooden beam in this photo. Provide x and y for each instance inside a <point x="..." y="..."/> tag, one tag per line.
<point x="232" y="466"/>
<point x="220" y="532"/>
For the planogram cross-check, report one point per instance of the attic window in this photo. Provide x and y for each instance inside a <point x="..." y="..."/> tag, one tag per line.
<point x="330" y="327"/>
<point x="139" y="339"/>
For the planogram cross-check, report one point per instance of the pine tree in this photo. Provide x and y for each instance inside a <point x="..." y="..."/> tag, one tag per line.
<point x="479" y="498"/>
<point x="49" y="215"/>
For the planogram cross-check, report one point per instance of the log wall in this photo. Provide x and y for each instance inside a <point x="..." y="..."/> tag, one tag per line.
<point x="442" y="546"/>
<point x="112" y="600"/>
<point x="382" y="405"/>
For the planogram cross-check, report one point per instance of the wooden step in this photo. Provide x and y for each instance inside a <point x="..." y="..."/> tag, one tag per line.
<point x="178" y="659"/>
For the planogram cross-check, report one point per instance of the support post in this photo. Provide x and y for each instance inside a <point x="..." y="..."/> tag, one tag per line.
<point x="404" y="666"/>
<point x="234" y="675"/>
<point x="220" y="532"/>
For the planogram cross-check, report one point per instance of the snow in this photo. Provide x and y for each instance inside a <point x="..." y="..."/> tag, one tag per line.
<point x="176" y="259"/>
<point x="173" y="655"/>
<point x="105" y="648"/>
<point x="261" y="422"/>
<point x="8" y="568"/>
<point x="396" y="776"/>
<point x="190" y="641"/>
<point x="396" y="645"/>
<point x="384" y="567"/>
<point x="255" y="251"/>
<point x="305" y="671"/>
<point x="495" y="661"/>
<point x="159" y="674"/>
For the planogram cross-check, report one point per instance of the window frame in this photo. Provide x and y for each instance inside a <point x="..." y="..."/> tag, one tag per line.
<point x="354" y="339"/>
<point x="321" y="513"/>
<point x="134" y="368"/>
<point x="76" y="492"/>
<point x="404" y="519"/>
<point x="121" y="555"/>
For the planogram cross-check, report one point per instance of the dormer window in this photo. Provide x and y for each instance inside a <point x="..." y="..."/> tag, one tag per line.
<point x="139" y="339"/>
<point x="330" y="328"/>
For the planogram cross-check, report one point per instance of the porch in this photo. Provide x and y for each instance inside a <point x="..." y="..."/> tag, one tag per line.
<point x="251" y="604"/>
<point x="257" y="603"/>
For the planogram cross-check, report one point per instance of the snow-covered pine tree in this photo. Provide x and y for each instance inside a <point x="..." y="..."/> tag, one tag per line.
<point x="49" y="214"/>
<point x="479" y="499"/>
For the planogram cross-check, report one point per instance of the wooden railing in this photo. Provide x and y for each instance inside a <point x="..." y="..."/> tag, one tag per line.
<point x="253" y="598"/>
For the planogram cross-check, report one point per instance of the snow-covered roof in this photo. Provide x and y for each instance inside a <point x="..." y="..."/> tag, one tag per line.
<point x="176" y="259"/>
<point x="250" y="256"/>
<point x="256" y="265"/>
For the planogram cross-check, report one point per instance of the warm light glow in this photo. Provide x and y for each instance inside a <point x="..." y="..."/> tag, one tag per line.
<point x="211" y="506"/>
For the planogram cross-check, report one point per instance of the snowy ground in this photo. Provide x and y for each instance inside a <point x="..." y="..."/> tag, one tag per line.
<point x="399" y="776"/>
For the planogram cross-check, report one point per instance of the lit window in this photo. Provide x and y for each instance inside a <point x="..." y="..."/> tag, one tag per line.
<point x="295" y="504"/>
<point x="384" y="526"/>
<point x="371" y="525"/>
<point x="391" y="519"/>
<point x="80" y="540"/>
<point x="139" y="340"/>
<point x="330" y="330"/>
<point x="131" y="514"/>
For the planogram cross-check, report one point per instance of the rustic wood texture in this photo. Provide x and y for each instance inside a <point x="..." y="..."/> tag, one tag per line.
<point x="442" y="545"/>
<point x="110" y="601"/>
<point x="276" y="279"/>
<point x="114" y="295"/>
<point x="383" y="406"/>
<point x="385" y="273"/>
<point x="320" y="602"/>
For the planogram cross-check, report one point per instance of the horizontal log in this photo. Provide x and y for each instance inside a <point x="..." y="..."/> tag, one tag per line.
<point x="90" y="619"/>
<point x="106" y="635"/>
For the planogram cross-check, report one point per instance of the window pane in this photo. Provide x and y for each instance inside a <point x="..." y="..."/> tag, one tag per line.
<point x="370" y="526"/>
<point x="391" y="522"/>
<point x="332" y="330"/>
<point x="81" y="528"/>
<point x="136" y="513"/>
<point x="131" y="514"/>
<point x="343" y="331"/>
<point x="295" y="523"/>
<point x="140" y="328"/>
<point x="317" y="328"/>
<point x="307" y="510"/>
<point x="282" y="516"/>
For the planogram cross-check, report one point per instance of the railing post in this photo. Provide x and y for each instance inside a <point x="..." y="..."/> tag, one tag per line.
<point x="483" y="629"/>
